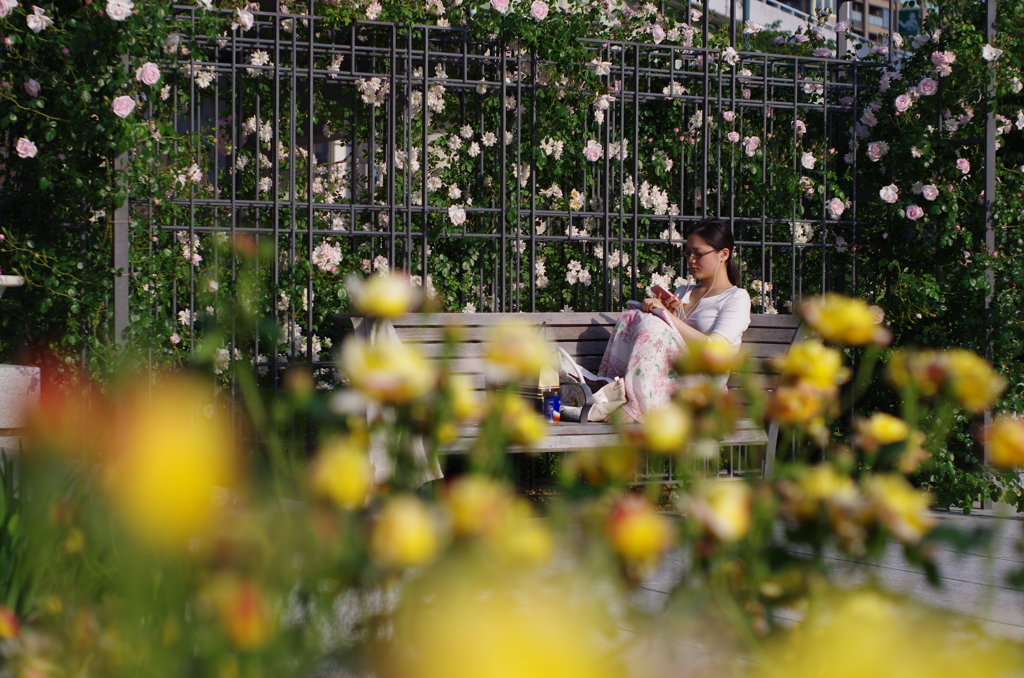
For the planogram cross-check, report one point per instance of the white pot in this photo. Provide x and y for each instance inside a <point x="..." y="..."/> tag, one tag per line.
<point x="10" y="281"/>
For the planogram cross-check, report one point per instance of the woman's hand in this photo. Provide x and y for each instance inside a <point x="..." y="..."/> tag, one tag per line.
<point x="650" y="304"/>
<point x="671" y="304"/>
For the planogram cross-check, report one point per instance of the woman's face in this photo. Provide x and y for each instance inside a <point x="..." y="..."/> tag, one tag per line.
<point x="703" y="260"/>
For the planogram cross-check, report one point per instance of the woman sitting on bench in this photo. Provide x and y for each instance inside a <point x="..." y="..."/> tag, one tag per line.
<point x="647" y="341"/>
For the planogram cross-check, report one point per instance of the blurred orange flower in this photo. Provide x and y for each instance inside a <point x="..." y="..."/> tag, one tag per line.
<point x="10" y="627"/>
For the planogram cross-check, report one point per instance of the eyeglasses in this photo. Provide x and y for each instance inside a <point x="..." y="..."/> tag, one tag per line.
<point x="690" y="254"/>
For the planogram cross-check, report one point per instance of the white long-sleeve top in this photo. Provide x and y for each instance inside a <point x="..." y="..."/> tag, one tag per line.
<point x="725" y="315"/>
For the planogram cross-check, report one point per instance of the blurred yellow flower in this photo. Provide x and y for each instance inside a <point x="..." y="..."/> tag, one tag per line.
<point x="879" y="430"/>
<point x="972" y="380"/>
<point x="517" y="351"/>
<point x="714" y="356"/>
<point x="900" y="507"/>
<point x="75" y="541"/>
<point x="477" y="504"/>
<point x="522" y="538"/>
<point x="171" y="456"/>
<point x="666" y="429"/>
<point x="811" y="363"/>
<point x="520" y="421"/>
<point x="843" y="320"/>
<point x="798" y="405"/>
<point x="819" y="485"/>
<point x="722" y="508"/>
<point x="1005" y="439"/>
<point x="913" y="453"/>
<point x="638" y="533"/>
<point x="383" y="296"/>
<point x="465" y="403"/>
<point x="601" y="465"/>
<point x="867" y="633"/>
<point x="404" y="535"/>
<point x="342" y="473"/>
<point x="390" y="371"/>
<point x="469" y="625"/>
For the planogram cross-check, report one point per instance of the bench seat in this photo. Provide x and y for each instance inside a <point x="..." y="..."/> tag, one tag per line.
<point x="583" y="336"/>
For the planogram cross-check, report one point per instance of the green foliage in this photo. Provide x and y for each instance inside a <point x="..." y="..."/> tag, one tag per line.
<point x="56" y="208"/>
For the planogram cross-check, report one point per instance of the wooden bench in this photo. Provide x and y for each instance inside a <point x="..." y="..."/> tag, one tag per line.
<point x="584" y="337"/>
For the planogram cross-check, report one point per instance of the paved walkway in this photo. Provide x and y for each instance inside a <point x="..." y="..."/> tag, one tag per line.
<point x="972" y="585"/>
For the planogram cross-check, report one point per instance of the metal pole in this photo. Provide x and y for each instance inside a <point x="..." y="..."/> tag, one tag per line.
<point x="990" y="192"/>
<point x="121" y="259"/>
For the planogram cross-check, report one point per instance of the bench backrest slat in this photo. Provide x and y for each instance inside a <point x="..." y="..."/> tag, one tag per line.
<point x="582" y="335"/>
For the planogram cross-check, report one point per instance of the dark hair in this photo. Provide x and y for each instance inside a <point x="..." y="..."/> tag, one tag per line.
<point x="717" y="233"/>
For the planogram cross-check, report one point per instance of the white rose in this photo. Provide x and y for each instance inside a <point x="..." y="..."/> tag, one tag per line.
<point x="37" y="20"/>
<point x="119" y="10"/>
<point x="990" y="53"/>
<point x="808" y="160"/>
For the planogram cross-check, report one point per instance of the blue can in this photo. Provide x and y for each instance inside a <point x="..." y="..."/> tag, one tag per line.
<point x="553" y="408"/>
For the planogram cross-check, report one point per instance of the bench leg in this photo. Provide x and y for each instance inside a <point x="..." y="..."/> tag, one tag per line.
<point x="769" y="457"/>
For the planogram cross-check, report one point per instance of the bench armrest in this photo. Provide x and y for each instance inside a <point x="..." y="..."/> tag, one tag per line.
<point x="574" y="394"/>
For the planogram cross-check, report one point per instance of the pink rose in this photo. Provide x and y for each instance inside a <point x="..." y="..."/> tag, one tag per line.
<point x="175" y="339"/>
<point x="930" y="192"/>
<point x="593" y="151"/>
<point x="928" y="87"/>
<point x="123" y="106"/>
<point x="836" y="207"/>
<point x="148" y="74"/>
<point x="964" y="165"/>
<point x="500" y="6"/>
<point x="877" y="150"/>
<point x="657" y="33"/>
<point x="25" y="148"/>
<point x="903" y="102"/>
<point x="729" y="116"/>
<point x="32" y="87"/>
<point x="733" y="136"/>
<point x="914" y="212"/>
<point x="539" y="10"/>
<point x="890" y="193"/>
<point x="245" y="19"/>
<point x="750" y="145"/>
